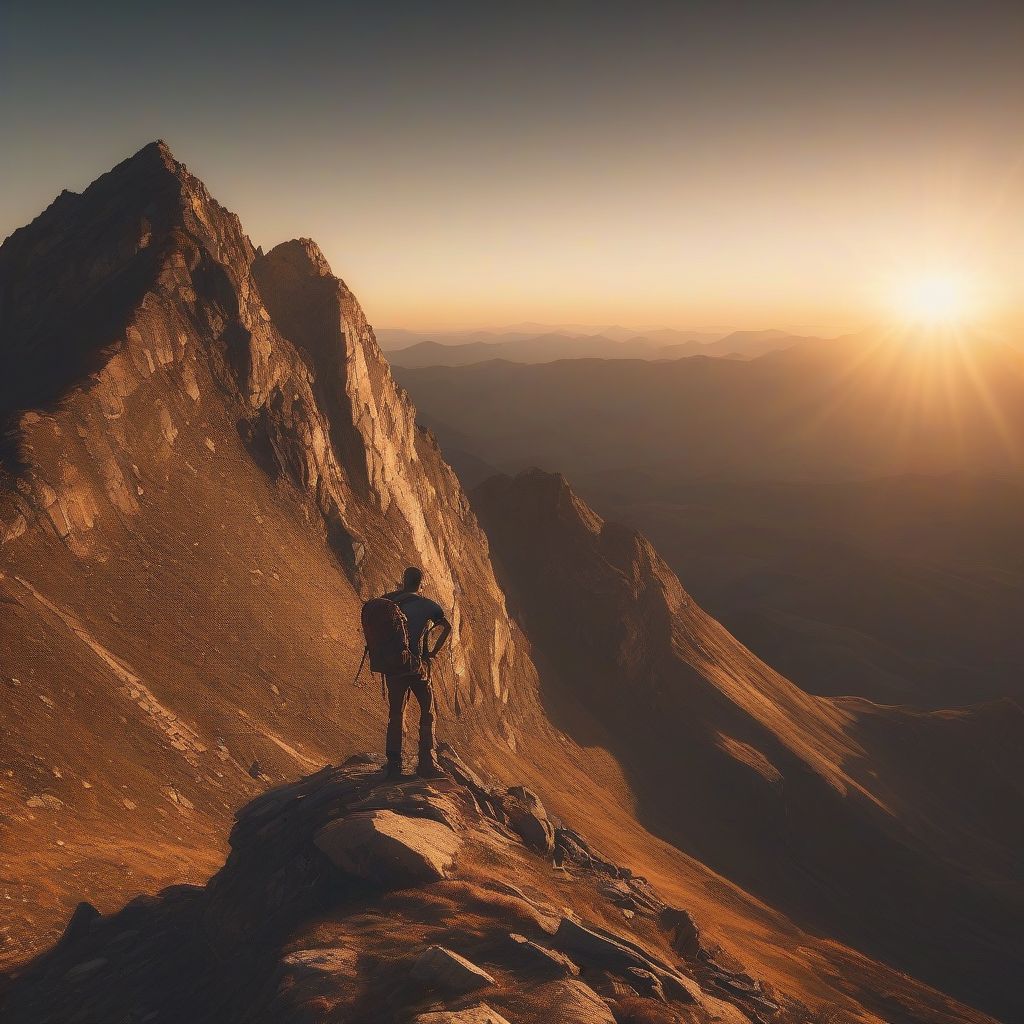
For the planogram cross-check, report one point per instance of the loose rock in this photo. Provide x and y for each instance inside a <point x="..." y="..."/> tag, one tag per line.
<point x="481" y="1014"/>
<point x="438" y="967"/>
<point x="390" y="849"/>
<point x="540" y="956"/>
<point x="529" y="820"/>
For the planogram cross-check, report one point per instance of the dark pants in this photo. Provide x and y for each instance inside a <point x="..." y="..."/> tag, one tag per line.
<point x="398" y="689"/>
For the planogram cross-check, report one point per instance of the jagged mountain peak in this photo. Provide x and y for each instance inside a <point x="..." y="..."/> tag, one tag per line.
<point x="76" y="277"/>
<point x="302" y="252"/>
<point x="150" y="156"/>
<point x="139" y="314"/>
<point x="557" y="515"/>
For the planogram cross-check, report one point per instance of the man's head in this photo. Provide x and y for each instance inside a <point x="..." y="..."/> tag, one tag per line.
<point x="411" y="579"/>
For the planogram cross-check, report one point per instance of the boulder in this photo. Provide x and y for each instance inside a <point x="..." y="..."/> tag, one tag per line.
<point x="529" y="820"/>
<point x="389" y="849"/>
<point x="479" y="1014"/>
<point x="538" y="956"/>
<point x="573" y="1002"/>
<point x="686" y="937"/>
<point x="437" y="967"/>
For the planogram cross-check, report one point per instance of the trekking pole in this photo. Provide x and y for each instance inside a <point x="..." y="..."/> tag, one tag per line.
<point x="362" y="662"/>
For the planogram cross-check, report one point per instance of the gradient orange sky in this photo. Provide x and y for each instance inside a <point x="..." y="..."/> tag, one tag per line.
<point x="743" y="164"/>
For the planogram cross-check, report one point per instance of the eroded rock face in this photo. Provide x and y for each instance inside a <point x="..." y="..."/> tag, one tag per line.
<point x="151" y="287"/>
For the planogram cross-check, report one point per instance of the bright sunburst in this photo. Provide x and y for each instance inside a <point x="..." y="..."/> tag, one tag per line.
<point x="937" y="300"/>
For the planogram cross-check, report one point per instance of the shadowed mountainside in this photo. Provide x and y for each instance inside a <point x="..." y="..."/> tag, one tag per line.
<point x="902" y="590"/>
<point x="848" y="815"/>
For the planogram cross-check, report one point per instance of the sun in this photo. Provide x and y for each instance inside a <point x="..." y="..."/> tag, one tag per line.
<point x="943" y="299"/>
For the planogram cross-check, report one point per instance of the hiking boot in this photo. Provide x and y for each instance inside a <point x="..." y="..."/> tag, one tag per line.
<point x="428" y="768"/>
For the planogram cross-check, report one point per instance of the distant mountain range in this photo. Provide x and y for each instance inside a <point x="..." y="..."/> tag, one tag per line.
<point x="844" y="507"/>
<point x="547" y="344"/>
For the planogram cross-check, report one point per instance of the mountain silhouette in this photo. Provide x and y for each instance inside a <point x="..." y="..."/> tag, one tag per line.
<point x="463" y="350"/>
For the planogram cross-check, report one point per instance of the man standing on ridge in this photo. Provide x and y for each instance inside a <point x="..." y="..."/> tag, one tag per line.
<point x="422" y="616"/>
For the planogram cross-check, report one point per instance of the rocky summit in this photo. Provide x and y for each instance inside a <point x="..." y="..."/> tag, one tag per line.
<point x="350" y="897"/>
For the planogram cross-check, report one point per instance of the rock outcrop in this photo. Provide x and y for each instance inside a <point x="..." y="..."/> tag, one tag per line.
<point x="440" y="968"/>
<point x="388" y="848"/>
<point x="527" y="817"/>
<point x="301" y="928"/>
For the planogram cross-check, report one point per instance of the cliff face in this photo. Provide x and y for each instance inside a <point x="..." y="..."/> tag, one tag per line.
<point x="846" y="814"/>
<point x="206" y="467"/>
<point x="186" y="326"/>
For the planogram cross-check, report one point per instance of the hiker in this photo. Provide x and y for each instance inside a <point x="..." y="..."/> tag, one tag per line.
<point x="397" y="628"/>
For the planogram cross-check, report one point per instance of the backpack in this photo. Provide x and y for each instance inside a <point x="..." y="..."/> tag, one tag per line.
<point x="386" y="630"/>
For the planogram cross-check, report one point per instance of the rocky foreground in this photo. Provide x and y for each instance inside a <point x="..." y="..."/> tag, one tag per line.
<point x="349" y="897"/>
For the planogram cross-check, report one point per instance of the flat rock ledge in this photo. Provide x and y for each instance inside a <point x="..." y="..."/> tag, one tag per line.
<point x="390" y="849"/>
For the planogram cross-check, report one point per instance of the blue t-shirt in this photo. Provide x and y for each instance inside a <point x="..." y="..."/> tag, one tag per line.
<point x="421" y="612"/>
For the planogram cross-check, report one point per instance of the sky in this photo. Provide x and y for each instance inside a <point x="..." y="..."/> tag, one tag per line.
<point x="474" y="164"/>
